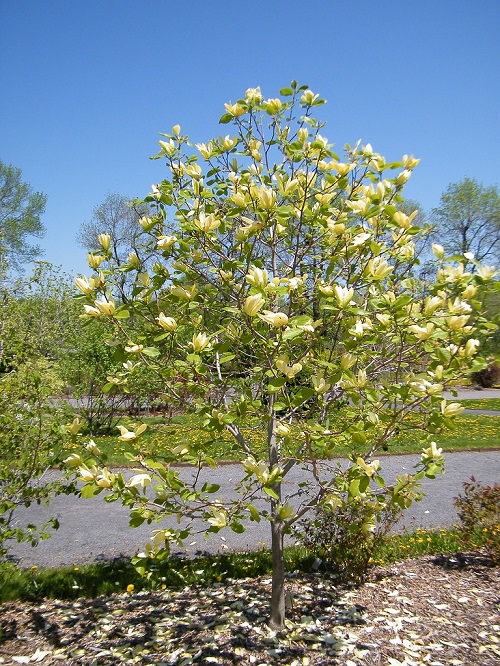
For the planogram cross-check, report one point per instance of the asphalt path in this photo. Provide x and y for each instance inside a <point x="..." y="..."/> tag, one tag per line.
<point x="92" y="529"/>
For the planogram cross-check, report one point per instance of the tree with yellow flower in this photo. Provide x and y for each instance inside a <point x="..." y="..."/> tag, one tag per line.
<point x="282" y="300"/>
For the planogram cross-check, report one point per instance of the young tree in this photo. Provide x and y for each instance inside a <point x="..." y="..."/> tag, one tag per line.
<point x="468" y="216"/>
<point x="283" y="309"/>
<point x="20" y="212"/>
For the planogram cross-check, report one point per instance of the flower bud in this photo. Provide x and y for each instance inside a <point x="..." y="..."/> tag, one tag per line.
<point x="104" y="241"/>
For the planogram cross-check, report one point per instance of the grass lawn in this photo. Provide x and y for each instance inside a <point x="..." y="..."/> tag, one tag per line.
<point x="472" y="431"/>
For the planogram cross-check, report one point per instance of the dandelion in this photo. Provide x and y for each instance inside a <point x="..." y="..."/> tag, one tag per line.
<point x="130" y="587"/>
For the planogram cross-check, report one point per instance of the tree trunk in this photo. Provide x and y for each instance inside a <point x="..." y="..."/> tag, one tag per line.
<point x="277" y="619"/>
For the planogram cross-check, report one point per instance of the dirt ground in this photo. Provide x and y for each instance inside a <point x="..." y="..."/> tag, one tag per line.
<point x="431" y="610"/>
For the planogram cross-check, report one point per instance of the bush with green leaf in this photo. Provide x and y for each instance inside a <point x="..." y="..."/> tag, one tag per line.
<point x="345" y="537"/>
<point x="479" y="513"/>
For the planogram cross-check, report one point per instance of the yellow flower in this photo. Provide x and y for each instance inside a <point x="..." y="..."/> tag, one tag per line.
<point x="369" y="468"/>
<point x="130" y="587"/>
<point x="320" y="385"/>
<point x="206" y="223"/>
<point x="168" y="323"/>
<point x="200" y="341"/>
<point x="343" y="295"/>
<point x="258" y="277"/>
<point x="486" y="272"/>
<point x="94" y="260"/>
<point x="253" y="304"/>
<point x="253" y="96"/>
<point x="451" y="409"/>
<point x="84" y="285"/>
<point x="438" y="250"/>
<point x="165" y="242"/>
<point x="234" y="109"/>
<point x="104" y="241"/>
<point x="276" y="319"/>
<point x="432" y="451"/>
<point x="288" y="370"/>
<point x="106" y="307"/>
<point x="267" y="197"/>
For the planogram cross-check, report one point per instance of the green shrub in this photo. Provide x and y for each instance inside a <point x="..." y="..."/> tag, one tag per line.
<point x="479" y="514"/>
<point x="488" y="377"/>
<point x="340" y="538"/>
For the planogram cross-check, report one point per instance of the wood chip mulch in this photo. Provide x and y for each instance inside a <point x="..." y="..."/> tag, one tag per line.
<point x="432" y="610"/>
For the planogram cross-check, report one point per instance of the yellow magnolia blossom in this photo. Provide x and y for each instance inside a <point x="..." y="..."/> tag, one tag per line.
<point x="206" y="223"/>
<point x="378" y="268"/>
<point x="487" y="272"/>
<point x="257" y="277"/>
<point x="105" y="479"/>
<point x="200" y="342"/>
<point x="276" y="319"/>
<point x="165" y="242"/>
<point x="84" y="285"/>
<point x="347" y="360"/>
<point x="421" y="332"/>
<point x="92" y="448"/>
<point x="451" y="409"/>
<point x="104" y="241"/>
<point x="273" y="105"/>
<point x="168" y="323"/>
<point x="288" y="370"/>
<point x="455" y="323"/>
<point x="106" y="307"/>
<point x="432" y="451"/>
<point x="235" y="109"/>
<point x="369" y="468"/>
<point x="320" y="384"/>
<point x="207" y="151"/>
<point x="91" y="311"/>
<point x="139" y="480"/>
<point x="167" y="147"/>
<point x="253" y="96"/>
<point x="253" y="304"/>
<point x="128" y="435"/>
<point x="267" y="197"/>
<point x="185" y="293"/>
<point x="438" y="250"/>
<point x="134" y="349"/>
<point x="343" y="295"/>
<point x="94" y="260"/>
<point x="282" y="430"/>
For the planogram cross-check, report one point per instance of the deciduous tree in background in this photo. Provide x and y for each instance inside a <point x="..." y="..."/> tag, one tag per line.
<point x="282" y="307"/>
<point x="20" y="212"/>
<point x="468" y="216"/>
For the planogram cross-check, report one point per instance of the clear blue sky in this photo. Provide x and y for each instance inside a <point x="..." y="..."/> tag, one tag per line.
<point x="86" y="87"/>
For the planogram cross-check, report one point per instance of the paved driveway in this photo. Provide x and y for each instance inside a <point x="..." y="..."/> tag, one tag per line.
<point x="92" y="529"/>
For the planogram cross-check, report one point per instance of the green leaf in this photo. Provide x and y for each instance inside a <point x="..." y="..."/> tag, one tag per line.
<point x="152" y="352"/>
<point x="303" y="395"/>
<point x="225" y="119"/>
<point x="122" y="314"/>
<point x="254" y="514"/>
<point x="210" y="487"/>
<point x="286" y="92"/>
<point x="271" y="492"/>
<point x="237" y="527"/>
<point x="275" y="384"/>
<point x="90" y="490"/>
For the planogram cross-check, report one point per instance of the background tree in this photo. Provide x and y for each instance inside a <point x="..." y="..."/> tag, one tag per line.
<point x="36" y="322"/>
<point x="117" y="217"/>
<point x="282" y="308"/>
<point x="468" y="217"/>
<point x="20" y="212"/>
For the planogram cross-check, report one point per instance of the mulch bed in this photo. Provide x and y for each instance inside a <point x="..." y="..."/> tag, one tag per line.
<point x="434" y="611"/>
